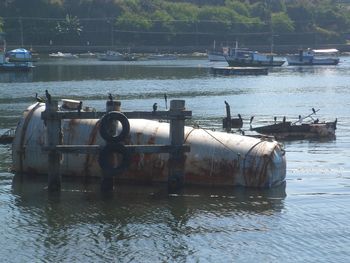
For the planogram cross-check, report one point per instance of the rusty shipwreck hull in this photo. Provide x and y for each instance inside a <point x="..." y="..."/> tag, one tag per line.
<point x="215" y="158"/>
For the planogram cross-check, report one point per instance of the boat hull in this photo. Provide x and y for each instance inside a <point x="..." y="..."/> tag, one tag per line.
<point x="216" y="56"/>
<point x="289" y="131"/>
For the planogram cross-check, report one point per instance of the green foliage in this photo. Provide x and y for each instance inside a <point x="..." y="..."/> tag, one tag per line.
<point x="281" y="23"/>
<point x="175" y="21"/>
<point x="131" y="21"/>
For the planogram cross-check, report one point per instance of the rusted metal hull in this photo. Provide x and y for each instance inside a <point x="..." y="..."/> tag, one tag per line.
<point x="216" y="158"/>
<point x="286" y="130"/>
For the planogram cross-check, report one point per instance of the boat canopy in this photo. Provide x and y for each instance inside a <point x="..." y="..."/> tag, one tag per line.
<point x="20" y="53"/>
<point x="330" y="50"/>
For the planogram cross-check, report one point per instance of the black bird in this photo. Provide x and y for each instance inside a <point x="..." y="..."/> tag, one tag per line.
<point x="80" y="106"/>
<point x="48" y="96"/>
<point x="239" y="116"/>
<point x="166" y="101"/>
<point x="313" y="110"/>
<point x="275" y="119"/>
<point x="299" y="117"/>
<point x="226" y="103"/>
<point x="110" y="97"/>
<point x="155" y="106"/>
<point x="39" y="99"/>
<point x="251" y="119"/>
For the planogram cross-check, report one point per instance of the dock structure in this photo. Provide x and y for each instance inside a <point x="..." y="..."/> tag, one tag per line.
<point x="239" y="71"/>
<point x="114" y="142"/>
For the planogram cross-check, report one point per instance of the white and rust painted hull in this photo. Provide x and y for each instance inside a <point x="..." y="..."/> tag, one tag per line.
<point x="215" y="158"/>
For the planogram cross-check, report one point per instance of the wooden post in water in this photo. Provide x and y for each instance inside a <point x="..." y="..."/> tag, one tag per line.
<point x="228" y="117"/>
<point x="54" y="137"/>
<point x="107" y="183"/>
<point x="176" y="159"/>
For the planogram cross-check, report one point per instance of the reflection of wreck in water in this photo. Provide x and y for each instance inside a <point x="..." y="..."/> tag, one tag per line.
<point x="84" y="203"/>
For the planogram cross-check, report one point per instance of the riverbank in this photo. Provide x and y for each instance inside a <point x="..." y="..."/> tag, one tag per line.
<point x="278" y="49"/>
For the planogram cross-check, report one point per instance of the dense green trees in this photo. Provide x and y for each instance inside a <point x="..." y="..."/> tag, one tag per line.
<point x="171" y="22"/>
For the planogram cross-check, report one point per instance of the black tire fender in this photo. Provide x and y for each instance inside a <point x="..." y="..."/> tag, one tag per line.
<point x="107" y="153"/>
<point x="106" y="122"/>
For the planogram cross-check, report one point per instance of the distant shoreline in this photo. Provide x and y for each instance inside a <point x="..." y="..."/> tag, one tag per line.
<point x="278" y="49"/>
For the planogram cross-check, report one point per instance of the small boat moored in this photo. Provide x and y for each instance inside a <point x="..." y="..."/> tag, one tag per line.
<point x="6" y="65"/>
<point x="239" y="57"/>
<point x="311" y="57"/>
<point x="62" y="55"/>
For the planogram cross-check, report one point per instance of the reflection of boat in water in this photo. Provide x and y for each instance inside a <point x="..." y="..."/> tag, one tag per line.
<point x="62" y="55"/>
<point x="238" y="57"/>
<point x="116" y="56"/>
<point x="299" y="130"/>
<point x="87" y="55"/>
<point x="162" y="57"/>
<point x="314" y="57"/>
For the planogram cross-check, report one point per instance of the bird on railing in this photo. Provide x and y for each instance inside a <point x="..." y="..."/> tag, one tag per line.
<point x="39" y="99"/>
<point x="155" y="106"/>
<point x="110" y="97"/>
<point x="48" y="96"/>
<point x="80" y="106"/>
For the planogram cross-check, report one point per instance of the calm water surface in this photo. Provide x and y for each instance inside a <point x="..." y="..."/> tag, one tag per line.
<point x="306" y="220"/>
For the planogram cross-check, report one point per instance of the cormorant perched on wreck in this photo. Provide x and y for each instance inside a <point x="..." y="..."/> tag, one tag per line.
<point x="80" y="106"/>
<point x="39" y="99"/>
<point x="155" y="106"/>
<point x="110" y="97"/>
<point x="166" y="101"/>
<point x="239" y="116"/>
<point x="48" y="96"/>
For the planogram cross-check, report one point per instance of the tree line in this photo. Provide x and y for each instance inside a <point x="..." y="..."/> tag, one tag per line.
<point x="175" y="23"/>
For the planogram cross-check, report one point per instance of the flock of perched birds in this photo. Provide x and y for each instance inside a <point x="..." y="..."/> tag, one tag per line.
<point x="110" y="98"/>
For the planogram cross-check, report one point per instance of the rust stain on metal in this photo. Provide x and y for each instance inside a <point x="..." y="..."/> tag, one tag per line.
<point x="89" y="159"/>
<point x="152" y="138"/>
<point x="72" y="130"/>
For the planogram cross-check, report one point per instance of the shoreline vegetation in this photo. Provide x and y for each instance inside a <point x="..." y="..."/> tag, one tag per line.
<point x="185" y="26"/>
<point x="186" y="50"/>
